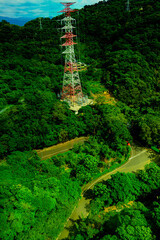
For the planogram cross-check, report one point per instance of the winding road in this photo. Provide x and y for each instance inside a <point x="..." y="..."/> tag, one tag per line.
<point x="139" y="158"/>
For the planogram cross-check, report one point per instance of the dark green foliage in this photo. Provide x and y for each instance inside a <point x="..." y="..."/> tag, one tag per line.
<point x="121" y="50"/>
<point x="39" y="119"/>
<point x="85" y="161"/>
<point x="127" y="224"/>
<point x="136" y="220"/>
<point x="149" y="129"/>
<point x="119" y="54"/>
<point x="34" y="196"/>
<point x="108" y="124"/>
<point x="133" y="225"/>
<point x="156" y="215"/>
<point x="127" y="187"/>
<point x="150" y="177"/>
<point x="128" y="55"/>
<point x="120" y="188"/>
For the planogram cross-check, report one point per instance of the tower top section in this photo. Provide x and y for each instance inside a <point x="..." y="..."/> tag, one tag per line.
<point x="68" y="4"/>
<point x="67" y="10"/>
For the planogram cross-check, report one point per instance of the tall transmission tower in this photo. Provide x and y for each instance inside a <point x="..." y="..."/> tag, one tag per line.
<point x="128" y="6"/>
<point x="40" y="23"/>
<point x="71" y="90"/>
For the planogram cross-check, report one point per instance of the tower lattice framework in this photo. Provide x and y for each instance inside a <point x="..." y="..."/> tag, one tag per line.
<point x="71" y="90"/>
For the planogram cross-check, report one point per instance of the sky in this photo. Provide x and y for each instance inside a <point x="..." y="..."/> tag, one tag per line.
<point x="37" y="8"/>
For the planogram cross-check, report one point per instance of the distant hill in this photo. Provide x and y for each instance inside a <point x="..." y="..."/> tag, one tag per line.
<point x="17" y="21"/>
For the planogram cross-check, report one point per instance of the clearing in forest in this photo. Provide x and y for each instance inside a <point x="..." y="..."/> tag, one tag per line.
<point x="105" y="98"/>
<point x="119" y="207"/>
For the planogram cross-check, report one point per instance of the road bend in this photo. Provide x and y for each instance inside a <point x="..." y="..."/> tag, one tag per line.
<point x="139" y="158"/>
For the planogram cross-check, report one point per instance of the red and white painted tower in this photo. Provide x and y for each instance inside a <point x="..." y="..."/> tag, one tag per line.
<point x="72" y="90"/>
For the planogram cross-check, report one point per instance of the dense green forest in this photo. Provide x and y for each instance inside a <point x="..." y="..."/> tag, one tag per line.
<point x="37" y="197"/>
<point x="136" y="211"/>
<point x="121" y="50"/>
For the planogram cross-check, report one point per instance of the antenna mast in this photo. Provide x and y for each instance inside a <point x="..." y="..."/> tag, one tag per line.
<point x="72" y="90"/>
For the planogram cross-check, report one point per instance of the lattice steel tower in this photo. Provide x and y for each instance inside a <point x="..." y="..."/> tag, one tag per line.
<point x="72" y="90"/>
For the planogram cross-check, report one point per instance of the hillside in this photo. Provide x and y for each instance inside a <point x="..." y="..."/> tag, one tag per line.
<point x="126" y="47"/>
<point x="17" y="21"/>
<point x="121" y="50"/>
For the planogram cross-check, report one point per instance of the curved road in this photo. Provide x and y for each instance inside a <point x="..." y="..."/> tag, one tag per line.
<point x="140" y="157"/>
<point x="59" y="148"/>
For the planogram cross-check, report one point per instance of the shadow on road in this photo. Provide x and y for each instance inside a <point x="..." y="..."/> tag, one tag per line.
<point x="137" y="148"/>
<point x="88" y="194"/>
<point x="155" y="157"/>
<point x="73" y="228"/>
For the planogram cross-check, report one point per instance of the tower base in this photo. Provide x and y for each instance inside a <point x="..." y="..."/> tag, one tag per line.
<point x="75" y="106"/>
